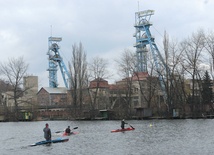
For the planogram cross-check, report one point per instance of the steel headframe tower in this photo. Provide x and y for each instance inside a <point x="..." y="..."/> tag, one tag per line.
<point x="141" y="42"/>
<point x="144" y="38"/>
<point x="54" y="60"/>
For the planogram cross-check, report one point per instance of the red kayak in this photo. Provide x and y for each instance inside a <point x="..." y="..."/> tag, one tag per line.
<point x="122" y="130"/>
<point x="69" y="134"/>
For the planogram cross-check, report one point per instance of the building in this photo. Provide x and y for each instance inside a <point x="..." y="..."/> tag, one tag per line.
<point x="99" y="92"/>
<point x="52" y="103"/>
<point x="26" y="100"/>
<point x="48" y="96"/>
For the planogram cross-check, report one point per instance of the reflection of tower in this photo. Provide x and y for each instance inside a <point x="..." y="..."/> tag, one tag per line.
<point x="54" y="60"/>
<point x="143" y="38"/>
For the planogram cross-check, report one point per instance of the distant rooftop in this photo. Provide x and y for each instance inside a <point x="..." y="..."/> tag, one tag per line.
<point x="55" y="90"/>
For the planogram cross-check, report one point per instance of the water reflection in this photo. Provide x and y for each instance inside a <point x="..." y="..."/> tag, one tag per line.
<point x="149" y="137"/>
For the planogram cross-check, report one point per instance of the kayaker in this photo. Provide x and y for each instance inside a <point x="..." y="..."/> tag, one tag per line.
<point x="47" y="132"/>
<point x="123" y="124"/>
<point x="68" y="130"/>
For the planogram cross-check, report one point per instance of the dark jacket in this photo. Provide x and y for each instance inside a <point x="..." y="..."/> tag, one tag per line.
<point x="123" y="124"/>
<point x="47" y="133"/>
<point x="68" y="130"/>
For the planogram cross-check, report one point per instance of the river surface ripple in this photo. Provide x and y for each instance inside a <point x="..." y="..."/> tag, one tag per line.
<point x="150" y="137"/>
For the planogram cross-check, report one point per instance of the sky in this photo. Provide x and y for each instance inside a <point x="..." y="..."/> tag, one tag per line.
<point x="104" y="27"/>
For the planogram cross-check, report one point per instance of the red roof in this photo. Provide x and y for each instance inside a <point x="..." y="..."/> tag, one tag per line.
<point x="140" y="76"/>
<point x="113" y="86"/>
<point x="99" y="83"/>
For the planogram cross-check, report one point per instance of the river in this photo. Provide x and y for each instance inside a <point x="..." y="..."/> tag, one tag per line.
<point x="150" y="137"/>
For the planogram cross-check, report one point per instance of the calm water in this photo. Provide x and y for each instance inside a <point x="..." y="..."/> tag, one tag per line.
<point x="151" y="137"/>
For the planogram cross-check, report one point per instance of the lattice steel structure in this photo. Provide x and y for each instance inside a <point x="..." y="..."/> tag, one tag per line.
<point x="143" y="38"/>
<point x="56" y="60"/>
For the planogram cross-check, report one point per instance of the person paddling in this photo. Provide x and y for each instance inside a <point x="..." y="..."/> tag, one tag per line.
<point x="123" y="124"/>
<point x="47" y="132"/>
<point x="68" y="130"/>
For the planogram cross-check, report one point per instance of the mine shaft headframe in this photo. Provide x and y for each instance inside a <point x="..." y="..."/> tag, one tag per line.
<point x="144" y="15"/>
<point x="53" y="43"/>
<point x="55" y="39"/>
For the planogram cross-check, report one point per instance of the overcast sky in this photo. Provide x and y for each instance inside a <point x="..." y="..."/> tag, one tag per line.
<point x="105" y="27"/>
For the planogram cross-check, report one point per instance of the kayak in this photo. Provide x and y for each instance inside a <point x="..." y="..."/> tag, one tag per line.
<point x="58" y="140"/>
<point x="122" y="130"/>
<point x="62" y="133"/>
<point x="69" y="134"/>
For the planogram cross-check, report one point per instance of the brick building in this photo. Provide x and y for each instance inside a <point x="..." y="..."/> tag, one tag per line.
<point x="47" y="96"/>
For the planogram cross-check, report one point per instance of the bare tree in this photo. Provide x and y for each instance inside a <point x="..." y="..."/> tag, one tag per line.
<point x="98" y="72"/>
<point x="152" y="88"/>
<point x="176" y="95"/>
<point x="4" y="109"/>
<point x="193" y="48"/>
<point x="79" y="79"/>
<point x="177" y="84"/>
<point x="127" y="69"/>
<point x="126" y="63"/>
<point x="13" y="71"/>
<point x="209" y="45"/>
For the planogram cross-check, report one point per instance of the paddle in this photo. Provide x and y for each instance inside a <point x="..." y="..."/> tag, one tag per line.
<point x="75" y="128"/>
<point x="63" y="131"/>
<point x="131" y="126"/>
